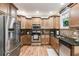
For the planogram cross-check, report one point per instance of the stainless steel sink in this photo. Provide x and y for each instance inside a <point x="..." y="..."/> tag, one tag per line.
<point x="77" y="40"/>
<point x="61" y="37"/>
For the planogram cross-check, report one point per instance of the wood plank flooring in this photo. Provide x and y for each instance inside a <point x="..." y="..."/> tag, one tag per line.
<point x="34" y="51"/>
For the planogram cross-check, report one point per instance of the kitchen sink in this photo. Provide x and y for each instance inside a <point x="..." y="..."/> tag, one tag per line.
<point x="77" y="40"/>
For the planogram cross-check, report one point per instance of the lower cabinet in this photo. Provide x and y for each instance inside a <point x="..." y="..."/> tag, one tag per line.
<point x="55" y="44"/>
<point x="45" y="39"/>
<point x="64" y="50"/>
<point x="67" y="49"/>
<point x="26" y="39"/>
<point x="76" y="50"/>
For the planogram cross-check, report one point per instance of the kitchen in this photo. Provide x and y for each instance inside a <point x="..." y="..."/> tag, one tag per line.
<point x="39" y="29"/>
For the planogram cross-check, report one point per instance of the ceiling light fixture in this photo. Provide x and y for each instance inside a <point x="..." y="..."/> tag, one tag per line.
<point x="21" y="12"/>
<point x="62" y="3"/>
<point x="37" y="12"/>
<point x="50" y="12"/>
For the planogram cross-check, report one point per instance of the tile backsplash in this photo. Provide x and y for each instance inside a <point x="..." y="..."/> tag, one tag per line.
<point x="69" y="32"/>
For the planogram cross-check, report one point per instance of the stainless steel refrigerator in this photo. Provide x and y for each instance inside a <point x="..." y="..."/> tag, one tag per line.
<point x="9" y="36"/>
<point x="2" y="35"/>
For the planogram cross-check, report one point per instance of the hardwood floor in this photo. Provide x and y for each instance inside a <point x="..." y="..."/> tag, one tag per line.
<point x="34" y="51"/>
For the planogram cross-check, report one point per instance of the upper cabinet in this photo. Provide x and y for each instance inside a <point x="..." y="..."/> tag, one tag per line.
<point x="8" y="9"/>
<point x="23" y="21"/>
<point x="28" y="23"/>
<point x="45" y="24"/>
<point x="36" y="20"/>
<point x="56" y="22"/>
<point x="4" y="7"/>
<point x="74" y="16"/>
<point x="50" y="22"/>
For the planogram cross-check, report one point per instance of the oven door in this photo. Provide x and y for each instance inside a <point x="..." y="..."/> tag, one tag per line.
<point x="35" y="37"/>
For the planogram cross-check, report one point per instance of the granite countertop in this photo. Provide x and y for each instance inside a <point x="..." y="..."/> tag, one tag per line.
<point x="70" y="41"/>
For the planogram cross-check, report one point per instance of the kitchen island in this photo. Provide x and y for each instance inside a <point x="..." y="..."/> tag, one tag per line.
<point x="68" y="46"/>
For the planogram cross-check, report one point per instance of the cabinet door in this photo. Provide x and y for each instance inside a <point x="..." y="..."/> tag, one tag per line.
<point x="42" y="39"/>
<point x="56" y="22"/>
<point x="45" y="39"/>
<point x="50" y="23"/>
<point x="64" y="51"/>
<point x="4" y="7"/>
<point x="42" y="23"/>
<point x="23" y="23"/>
<point x="36" y="21"/>
<point x="18" y="18"/>
<point x="45" y="24"/>
<point x="28" y="23"/>
<point x="76" y="51"/>
<point x="52" y="42"/>
<point x="26" y="39"/>
<point x="23" y="39"/>
<point x="55" y="44"/>
<point x="74" y="18"/>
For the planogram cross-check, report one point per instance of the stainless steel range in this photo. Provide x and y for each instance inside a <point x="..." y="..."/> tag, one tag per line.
<point x="36" y="34"/>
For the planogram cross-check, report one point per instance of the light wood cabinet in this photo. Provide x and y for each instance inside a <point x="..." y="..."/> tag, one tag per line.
<point x="74" y="16"/>
<point x="36" y="20"/>
<point x="4" y="7"/>
<point x="50" y="22"/>
<point x="23" y="22"/>
<point x="45" y="39"/>
<point x="64" y="50"/>
<point x="55" y="44"/>
<point x="9" y="9"/>
<point x="56" y="22"/>
<point x="26" y="39"/>
<point x="45" y="24"/>
<point x="52" y="42"/>
<point x="28" y="23"/>
<point x="18" y="18"/>
<point x="76" y="50"/>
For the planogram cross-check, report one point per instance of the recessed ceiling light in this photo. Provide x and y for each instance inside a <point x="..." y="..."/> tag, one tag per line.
<point x="50" y="12"/>
<point x="62" y="3"/>
<point x="21" y="12"/>
<point x="37" y="11"/>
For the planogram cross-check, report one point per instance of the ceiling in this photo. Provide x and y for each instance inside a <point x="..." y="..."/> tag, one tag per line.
<point x="38" y="9"/>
